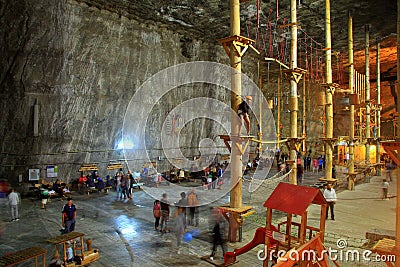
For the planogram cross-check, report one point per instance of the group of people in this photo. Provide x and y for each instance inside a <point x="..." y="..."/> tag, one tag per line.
<point x="188" y="203"/>
<point x="93" y="181"/>
<point x="124" y="184"/>
<point x="212" y="176"/>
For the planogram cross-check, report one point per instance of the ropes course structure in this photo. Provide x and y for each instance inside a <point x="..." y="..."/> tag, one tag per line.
<point x="271" y="33"/>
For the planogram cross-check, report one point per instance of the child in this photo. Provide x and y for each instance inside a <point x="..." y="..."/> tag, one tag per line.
<point x="70" y="252"/>
<point x="385" y="188"/>
<point x="157" y="214"/>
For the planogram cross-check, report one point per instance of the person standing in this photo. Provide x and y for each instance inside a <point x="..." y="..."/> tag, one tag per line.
<point x="315" y="165"/>
<point x="68" y="216"/>
<point x="299" y="174"/>
<point x="157" y="214"/>
<point x="330" y="196"/>
<point x="164" y="213"/>
<point x="385" y="189"/>
<point x="13" y="200"/>
<point x="389" y="167"/>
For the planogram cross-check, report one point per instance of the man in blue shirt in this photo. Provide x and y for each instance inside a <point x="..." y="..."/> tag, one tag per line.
<point x="68" y="216"/>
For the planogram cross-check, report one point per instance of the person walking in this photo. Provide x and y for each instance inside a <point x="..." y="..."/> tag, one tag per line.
<point x="68" y="216"/>
<point x="218" y="232"/>
<point x="13" y="201"/>
<point x="180" y="226"/>
<point x="330" y="196"/>
<point x="193" y="204"/>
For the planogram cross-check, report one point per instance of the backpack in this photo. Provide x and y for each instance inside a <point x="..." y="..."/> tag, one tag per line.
<point x="157" y="211"/>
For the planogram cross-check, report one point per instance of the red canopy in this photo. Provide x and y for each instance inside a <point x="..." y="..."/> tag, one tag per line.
<point x="294" y="199"/>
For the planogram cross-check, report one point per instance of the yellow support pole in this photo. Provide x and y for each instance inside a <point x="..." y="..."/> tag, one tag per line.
<point x="397" y="263"/>
<point x="236" y="155"/>
<point x="293" y="91"/>
<point x="329" y="101"/>
<point x="367" y="99"/>
<point x="351" y="87"/>
<point x="378" y="112"/>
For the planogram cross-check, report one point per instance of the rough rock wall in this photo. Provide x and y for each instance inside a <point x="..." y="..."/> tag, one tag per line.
<point x="81" y="66"/>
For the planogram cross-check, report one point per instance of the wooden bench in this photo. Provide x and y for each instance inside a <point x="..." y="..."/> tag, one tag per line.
<point x="106" y="189"/>
<point x="91" y="190"/>
<point x="24" y="255"/>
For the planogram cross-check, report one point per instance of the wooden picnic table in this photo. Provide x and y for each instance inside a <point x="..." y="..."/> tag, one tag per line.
<point x="24" y="255"/>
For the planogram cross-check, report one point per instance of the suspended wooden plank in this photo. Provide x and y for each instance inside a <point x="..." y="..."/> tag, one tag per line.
<point x="114" y="166"/>
<point x="88" y="167"/>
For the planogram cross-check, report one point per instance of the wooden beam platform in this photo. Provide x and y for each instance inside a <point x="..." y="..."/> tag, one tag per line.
<point x="294" y="143"/>
<point x="331" y="86"/>
<point x="239" y="43"/>
<point x="294" y="74"/>
<point x="88" y="167"/>
<point x="393" y="149"/>
<point x="238" y="140"/>
<point x="238" y="213"/>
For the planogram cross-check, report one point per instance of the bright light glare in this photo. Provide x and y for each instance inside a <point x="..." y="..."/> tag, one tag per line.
<point x="125" y="144"/>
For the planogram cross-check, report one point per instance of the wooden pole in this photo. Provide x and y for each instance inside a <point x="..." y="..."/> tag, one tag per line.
<point x="260" y="133"/>
<point x="329" y="101"/>
<point x="378" y="112"/>
<point x="293" y="91"/>
<point x="397" y="263"/>
<point x="367" y="98"/>
<point x="304" y="117"/>
<point x="236" y="156"/>
<point x="351" y="87"/>
<point x="278" y="107"/>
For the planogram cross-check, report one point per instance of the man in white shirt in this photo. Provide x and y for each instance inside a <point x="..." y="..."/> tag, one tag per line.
<point x="330" y="196"/>
<point x="13" y="200"/>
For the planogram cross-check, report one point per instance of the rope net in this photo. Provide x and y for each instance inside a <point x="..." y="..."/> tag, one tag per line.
<point x="268" y="183"/>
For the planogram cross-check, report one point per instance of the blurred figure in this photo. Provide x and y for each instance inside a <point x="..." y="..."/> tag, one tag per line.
<point x="180" y="223"/>
<point x="299" y="174"/>
<point x="164" y="213"/>
<point x="385" y="189"/>
<point x="193" y="204"/>
<point x="389" y="168"/>
<point x="13" y="201"/>
<point x="55" y="261"/>
<point x="218" y="232"/>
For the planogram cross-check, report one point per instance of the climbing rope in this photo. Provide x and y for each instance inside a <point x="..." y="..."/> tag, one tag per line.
<point x="269" y="182"/>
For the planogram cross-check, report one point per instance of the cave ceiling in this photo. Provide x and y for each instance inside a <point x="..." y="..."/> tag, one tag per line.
<point x="209" y="20"/>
